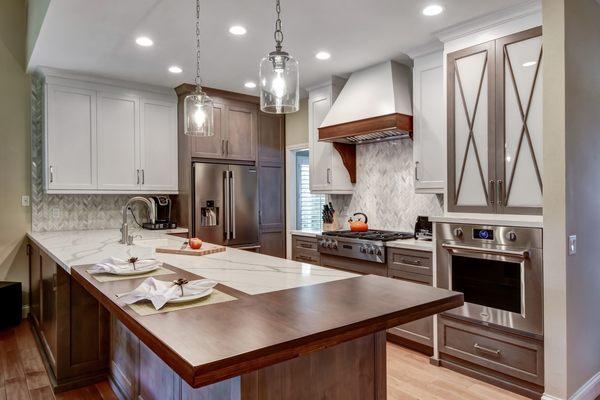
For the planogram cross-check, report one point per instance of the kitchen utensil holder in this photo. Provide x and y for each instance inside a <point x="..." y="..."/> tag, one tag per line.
<point x="334" y="226"/>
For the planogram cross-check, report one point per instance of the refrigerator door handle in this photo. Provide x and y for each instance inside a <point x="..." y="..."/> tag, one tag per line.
<point x="232" y="204"/>
<point x="227" y="205"/>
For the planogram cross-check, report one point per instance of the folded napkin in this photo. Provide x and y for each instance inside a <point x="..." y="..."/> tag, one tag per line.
<point x="160" y="292"/>
<point x="115" y="266"/>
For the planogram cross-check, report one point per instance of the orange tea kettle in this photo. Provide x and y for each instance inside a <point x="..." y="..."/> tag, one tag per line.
<point x="356" y="225"/>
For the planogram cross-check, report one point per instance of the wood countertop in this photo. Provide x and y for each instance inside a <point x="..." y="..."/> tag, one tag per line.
<point x="208" y="344"/>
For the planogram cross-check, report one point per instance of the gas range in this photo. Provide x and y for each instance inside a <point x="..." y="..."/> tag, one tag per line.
<point x="368" y="246"/>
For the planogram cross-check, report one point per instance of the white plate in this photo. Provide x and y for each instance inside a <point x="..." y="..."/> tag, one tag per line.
<point x="191" y="297"/>
<point x="136" y="272"/>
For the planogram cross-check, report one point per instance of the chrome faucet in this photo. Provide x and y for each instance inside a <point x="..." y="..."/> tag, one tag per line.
<point x="126" y="238"/>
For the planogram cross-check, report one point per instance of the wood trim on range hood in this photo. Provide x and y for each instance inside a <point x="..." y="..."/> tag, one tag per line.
<point x="343" y="133"/>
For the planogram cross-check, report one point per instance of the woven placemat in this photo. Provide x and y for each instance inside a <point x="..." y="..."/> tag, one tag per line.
<point x="111" y="277"/>
<point x="145" y="308"/>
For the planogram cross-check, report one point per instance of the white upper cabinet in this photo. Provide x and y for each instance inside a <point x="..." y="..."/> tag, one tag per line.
<point x="429" y="123"/>
<point x="70" y="138"/>
<point x="327" y="172"/>
<point x="158" y="149"/>
<point x="118" y="137"/>
<point x="101" y="138"/>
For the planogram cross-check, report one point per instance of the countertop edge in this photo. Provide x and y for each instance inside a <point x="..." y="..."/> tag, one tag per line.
<point x="496" y="220"/>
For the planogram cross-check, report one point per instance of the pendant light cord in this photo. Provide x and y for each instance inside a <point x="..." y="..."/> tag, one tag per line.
<point x="278" y="35"/>
<point x="198" y="80"/>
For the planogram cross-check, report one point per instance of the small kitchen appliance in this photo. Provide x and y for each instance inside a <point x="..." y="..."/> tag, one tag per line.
<point x="358" y="225"/>
<point x="162" y="212"/>
<point x="423" y="228"/>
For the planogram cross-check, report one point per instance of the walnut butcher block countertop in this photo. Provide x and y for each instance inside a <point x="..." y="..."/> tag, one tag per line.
<point x="208" y="344"/>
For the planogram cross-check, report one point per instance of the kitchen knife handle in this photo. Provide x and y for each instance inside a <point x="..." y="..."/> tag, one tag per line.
<point x="232" y="203"/>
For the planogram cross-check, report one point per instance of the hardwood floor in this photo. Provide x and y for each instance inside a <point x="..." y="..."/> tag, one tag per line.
<point x="410" y="376"/>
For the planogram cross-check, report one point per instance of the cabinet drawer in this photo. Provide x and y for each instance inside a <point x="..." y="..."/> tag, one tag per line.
<point x="399" y="273"/>
<point x="312" y="258"/>
<point x="500" y="351"/>
<point x="416" y="262"/>
<point x="304" y="243"/>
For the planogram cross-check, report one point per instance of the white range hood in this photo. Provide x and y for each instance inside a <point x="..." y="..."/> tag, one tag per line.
<point x="374" y="105"/>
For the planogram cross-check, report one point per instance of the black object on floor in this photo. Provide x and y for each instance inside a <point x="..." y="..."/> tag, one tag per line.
<point x="11" y="303"/>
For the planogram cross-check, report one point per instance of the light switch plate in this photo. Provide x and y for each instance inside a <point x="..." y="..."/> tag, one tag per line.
<point x="25" y="201"/>
<point x="572" y="244"/>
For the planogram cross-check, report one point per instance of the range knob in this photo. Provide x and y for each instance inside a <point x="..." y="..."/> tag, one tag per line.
<point x="512" y="236"/>
<point x="334" y="245"/>
<point x="379" y="252"/>
<point x="458" y="232"/>
<point x="371" y="250"/>
<point x="322" y="243"/>
<point x="363" y="249"/>
<point x="328" y="244"/>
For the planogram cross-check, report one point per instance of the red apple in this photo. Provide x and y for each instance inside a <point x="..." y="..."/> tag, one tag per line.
<point x="195" y="243"/>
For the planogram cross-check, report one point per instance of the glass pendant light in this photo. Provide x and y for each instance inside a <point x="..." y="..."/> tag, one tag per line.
<point x="278" y="77"/>
<point x="197" y="106"/>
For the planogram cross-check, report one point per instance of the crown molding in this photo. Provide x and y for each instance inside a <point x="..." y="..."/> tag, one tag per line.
<point x="426" y="49"/>
<point x="490" y="20"/>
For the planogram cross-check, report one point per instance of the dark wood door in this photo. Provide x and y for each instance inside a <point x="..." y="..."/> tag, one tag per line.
<point x="210" y="146"/>
<point x="242" y="126"/>
<point x="49" y="315"/>
<point x="471" y="129"/>
<point x="271" y="181"/>
<point x="35" y="284"/>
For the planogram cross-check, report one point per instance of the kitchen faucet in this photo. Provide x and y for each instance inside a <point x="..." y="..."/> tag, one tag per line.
<point x="126" y="238"/>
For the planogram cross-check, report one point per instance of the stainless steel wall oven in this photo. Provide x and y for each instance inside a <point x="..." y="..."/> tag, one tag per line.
<point x="499" y="270"/>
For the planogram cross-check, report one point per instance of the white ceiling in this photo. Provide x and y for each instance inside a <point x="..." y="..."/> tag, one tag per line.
<point x="98" y="36"/>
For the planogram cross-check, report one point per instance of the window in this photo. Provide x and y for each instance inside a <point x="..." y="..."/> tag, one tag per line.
<point x="308" y="205"/>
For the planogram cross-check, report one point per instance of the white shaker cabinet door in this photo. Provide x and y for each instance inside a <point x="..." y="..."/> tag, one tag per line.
<point x="70" y="138"/>
<point x="158" y="145"/>
<point x="320" y="152"/>
<point x="118" y="141"/>
<point x="429" y="123"/>
<point x="471" y="129"/>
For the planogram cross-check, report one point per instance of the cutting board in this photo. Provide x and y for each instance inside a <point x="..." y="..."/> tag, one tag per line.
<point x="207" y="248"/>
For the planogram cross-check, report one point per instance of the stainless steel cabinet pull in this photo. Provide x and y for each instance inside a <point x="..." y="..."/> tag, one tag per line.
<point x="416" y="170"/>
<point x="51" y="174"/>
<point x="499" y="195"/>
<point x="143" y="177"/>
<point x="495" y="353"/>
<point x="305" y="245"/>
<point x="222" y="147"/>
<point x="328" y="175"/>
<point x="227" y="147"/>
<point x="304" y="258"/>
<point x="492" y="191"/>
<point x="138" y="177"/>
<point x="54" y="283"/>
<point x="410" y="262"/>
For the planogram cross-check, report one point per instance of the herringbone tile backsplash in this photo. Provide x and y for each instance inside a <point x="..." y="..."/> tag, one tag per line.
<point x="385" y="189"/>
<point x="64" y="212"/>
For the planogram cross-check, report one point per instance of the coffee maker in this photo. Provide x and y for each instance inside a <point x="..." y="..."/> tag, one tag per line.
<point x="423" y="228"/>
<point x="162" y="212"/>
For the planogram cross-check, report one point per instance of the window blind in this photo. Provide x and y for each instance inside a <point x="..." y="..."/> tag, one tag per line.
<point x="308" y="205"/>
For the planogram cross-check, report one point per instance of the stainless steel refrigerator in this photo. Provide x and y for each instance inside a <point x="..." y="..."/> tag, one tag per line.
<point x="226" y="204"/>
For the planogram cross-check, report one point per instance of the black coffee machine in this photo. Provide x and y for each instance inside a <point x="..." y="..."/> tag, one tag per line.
<point x="162" y="212"/>
<point x="423" y="229"/>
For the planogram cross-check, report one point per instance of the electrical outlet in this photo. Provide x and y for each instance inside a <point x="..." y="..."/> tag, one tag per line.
<point x="25" y="201"/>
<point x="55" y="213"/>
<point x="572" y="244"/>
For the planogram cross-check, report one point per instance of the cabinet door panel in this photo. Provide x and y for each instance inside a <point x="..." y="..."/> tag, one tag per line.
<point x="320" y="152"/>
<point x="471" y="130"/>
<point x="520" y="122"/>
<point x="241" y="133"/>
<point x="118" y="135"/>
<point x="35" y="279"/>
<point x="159" y="145"/>
<point x="271" y="138"/>
<point x="210" y="146"/>
<point x="71" y="138"/>
<point x="49" y="312"/>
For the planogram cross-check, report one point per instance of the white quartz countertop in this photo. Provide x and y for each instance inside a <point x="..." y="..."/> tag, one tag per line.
<point x="411" y="244"/>
<point x="246" y="271"/>
<point x="527" y="221"/>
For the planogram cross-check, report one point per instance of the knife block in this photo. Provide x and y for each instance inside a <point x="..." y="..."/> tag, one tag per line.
<point x="334" y="226"/>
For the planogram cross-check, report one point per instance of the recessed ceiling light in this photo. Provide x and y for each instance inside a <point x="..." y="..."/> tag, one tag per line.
<point x="174" y="69"/>
<point x="529" y="63"/>
<point x="237" y="30"/>
<point x="250" y="85"/>
<point x="144" y="41"/>
<point x="433" y="9"/>
<point x="323" y="55"/>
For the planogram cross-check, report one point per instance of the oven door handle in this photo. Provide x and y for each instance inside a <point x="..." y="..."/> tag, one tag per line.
<point x="461" y="249"/>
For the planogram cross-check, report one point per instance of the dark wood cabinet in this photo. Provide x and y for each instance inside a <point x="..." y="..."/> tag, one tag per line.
<point x="271" y="181"/>
<point x="242" y="126"/>
<point x="210" y="146"/>
<point x="70" y="325"/>
<point x="412" y="266"/>
<point x="305" y="249"/>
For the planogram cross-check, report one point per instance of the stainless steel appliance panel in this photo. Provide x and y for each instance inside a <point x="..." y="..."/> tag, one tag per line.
<point x="505" y="287"/>
<point x="210" y="202"/>
<point x="244" y="205"/>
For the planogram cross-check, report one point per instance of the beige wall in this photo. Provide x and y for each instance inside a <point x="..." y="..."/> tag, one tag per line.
<point x="36" y="11"/>
<point x="571" y="197"/>
<point x="296" y="125"/>
<point x="14" y="142"/>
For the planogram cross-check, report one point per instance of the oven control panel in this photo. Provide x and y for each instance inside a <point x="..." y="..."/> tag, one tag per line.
<point x="368" y="251"/>
<point x="483" y="234"/>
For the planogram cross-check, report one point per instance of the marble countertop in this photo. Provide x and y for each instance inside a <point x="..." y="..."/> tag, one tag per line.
<point x="527" y="221"/>
<point x="411" y="244"/>
<point x="246" y="271"/>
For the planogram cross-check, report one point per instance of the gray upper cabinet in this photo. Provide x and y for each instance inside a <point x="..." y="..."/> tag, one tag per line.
<point x="495" y="126"/>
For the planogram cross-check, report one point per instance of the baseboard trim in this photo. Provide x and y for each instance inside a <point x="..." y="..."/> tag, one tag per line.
<point x="588" y="391"/>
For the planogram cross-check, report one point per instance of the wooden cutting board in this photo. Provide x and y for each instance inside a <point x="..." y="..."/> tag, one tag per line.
<point x="207" y="248"/>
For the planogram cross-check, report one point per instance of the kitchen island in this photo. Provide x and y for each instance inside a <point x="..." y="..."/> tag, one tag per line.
<point x="310" y="332"/>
